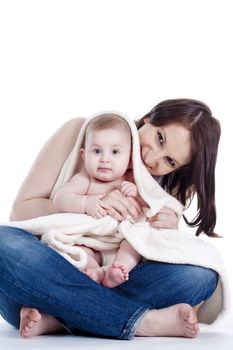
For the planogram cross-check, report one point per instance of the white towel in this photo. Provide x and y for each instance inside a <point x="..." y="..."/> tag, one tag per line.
<point x="63" y="231"/>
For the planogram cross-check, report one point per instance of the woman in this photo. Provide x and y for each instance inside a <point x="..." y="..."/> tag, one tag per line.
<point x="179" y="141"/>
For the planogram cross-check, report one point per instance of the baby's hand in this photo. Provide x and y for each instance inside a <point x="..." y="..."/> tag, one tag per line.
<point x="93" y="206"/>
<point x="128" y="189"/>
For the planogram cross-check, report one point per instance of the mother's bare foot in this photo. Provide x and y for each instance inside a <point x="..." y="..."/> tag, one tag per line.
<point x="175" y="321"/>
<point x="33" y="323"/>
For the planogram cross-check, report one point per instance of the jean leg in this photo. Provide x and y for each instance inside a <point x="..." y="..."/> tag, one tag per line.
<point x="10" y="310"/>
<point x="161" y="284"/>
<point x="34" y="275"/>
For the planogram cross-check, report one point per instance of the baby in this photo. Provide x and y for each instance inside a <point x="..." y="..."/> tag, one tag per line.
<point x="106" y="154"/>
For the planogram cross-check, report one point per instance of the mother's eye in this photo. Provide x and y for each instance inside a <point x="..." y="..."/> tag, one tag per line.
<point x="171" y="162"/>
<point x="160" y="137"/>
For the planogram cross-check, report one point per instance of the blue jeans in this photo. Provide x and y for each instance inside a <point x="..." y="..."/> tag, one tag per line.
<point x="34" y="275"/>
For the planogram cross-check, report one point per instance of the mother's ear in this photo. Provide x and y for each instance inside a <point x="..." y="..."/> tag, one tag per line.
<point x="146" y="120"/>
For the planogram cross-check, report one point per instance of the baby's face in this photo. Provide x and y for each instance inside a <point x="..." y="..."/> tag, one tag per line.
<point x="107" y="153"/>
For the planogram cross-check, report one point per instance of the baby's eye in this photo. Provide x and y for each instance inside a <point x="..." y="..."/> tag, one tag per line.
<point x="171" y="162"/>
<point x="160" y="137"/>
<point x="115" y="151"/>
<point x="96" y="150"/>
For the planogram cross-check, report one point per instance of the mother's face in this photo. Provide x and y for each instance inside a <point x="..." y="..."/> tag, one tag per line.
<point x="164" y="148"/>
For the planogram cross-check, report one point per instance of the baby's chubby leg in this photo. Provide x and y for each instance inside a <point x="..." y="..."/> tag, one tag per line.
<point x="93" y="268"/>
<point x="126" y="259"/>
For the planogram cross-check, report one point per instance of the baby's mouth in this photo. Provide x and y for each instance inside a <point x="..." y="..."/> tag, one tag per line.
<point x="104" y="169"/>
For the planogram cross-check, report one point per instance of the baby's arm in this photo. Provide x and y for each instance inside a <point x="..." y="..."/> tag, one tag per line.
<point x="72" y="198"/>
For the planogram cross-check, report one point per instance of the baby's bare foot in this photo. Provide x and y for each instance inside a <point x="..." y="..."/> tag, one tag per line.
<point x="96" y="274"/>
<point x="115" y="275"/>
<point x="33" y="323"/>
<point x="175" y="321"/>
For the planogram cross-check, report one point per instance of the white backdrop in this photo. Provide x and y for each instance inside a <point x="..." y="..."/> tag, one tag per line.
<point x="62" y="59"/>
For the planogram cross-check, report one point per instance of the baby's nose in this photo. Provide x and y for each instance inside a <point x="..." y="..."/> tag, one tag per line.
<point x="104" y="158"/>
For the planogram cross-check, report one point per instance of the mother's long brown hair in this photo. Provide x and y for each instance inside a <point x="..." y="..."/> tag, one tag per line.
<point x="199" y="175"/>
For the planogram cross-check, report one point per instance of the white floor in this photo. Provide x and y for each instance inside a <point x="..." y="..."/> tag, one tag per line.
<point x="213" y="340"/>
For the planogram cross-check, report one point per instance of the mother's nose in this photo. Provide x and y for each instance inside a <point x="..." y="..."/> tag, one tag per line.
<point x="153" y="157"/>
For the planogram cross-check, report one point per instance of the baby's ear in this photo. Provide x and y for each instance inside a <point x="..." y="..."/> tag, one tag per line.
<point x="82" y="153"/>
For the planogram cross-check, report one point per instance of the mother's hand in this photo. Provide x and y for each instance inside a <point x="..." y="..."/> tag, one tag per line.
<point x="165" y="218"/>
<point x="119" y="206"/>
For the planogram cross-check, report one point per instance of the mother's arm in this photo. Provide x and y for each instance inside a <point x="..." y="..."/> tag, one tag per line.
<point x="165" y="218"/>
<point x="33" y="198"/>
<point x="118" y="206"/>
